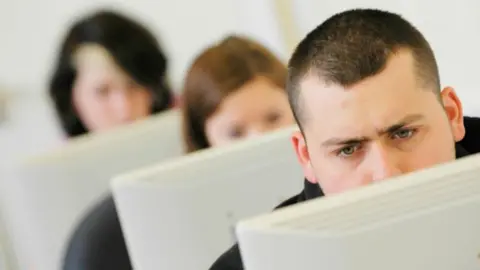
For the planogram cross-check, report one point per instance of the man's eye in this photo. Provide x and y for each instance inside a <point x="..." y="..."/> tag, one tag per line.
<point x="348" y="151"/>
<point x="403" y="134"/>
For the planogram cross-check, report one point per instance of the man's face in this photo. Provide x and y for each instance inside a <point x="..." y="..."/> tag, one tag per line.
<point x="386" y="125"/>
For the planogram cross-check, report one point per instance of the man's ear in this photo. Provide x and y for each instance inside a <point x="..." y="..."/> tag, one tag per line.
<point x="454" y="111"/>
<point x="301" y="149"/>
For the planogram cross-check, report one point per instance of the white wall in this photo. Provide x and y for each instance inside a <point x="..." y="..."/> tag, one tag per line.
<point x="29" y="128"/>
<point x="31" y="30"/>
<point x="451" y="27"/>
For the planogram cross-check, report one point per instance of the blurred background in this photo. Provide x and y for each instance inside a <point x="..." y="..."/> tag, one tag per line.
<point x="32" y="31"/>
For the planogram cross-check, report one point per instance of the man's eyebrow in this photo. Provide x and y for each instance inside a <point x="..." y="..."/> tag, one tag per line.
<point x="344" y="141"/>
<point x="401" y="123"/>
<point x="356" y="140"/>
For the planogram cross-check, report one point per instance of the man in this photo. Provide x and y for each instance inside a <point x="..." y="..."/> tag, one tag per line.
<point x="365" y="90"/>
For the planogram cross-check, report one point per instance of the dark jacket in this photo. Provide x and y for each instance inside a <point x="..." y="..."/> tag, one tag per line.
<point x="231" y="259"/>
<point x="97" y="243"/>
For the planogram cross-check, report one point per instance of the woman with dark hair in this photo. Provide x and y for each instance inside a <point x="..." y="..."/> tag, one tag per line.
<point x="110" y="71"/>
<point x="234" y="90"/>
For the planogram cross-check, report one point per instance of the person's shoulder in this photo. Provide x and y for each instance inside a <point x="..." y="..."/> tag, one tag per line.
<point x="472" y="133"/>
<point x="230" y="260"/>
<point x="471" y="123"/>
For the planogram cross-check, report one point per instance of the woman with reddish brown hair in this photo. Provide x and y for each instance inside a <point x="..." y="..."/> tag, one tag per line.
<point x="234" y="90"/>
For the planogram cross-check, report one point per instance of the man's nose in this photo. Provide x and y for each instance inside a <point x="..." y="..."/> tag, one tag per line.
<point x="384" y="163"/>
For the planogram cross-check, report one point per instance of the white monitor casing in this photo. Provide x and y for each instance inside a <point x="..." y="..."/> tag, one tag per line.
<point x="48" y="195"/>
<point x="181" y="214"/>
<point x="424" y="220"/>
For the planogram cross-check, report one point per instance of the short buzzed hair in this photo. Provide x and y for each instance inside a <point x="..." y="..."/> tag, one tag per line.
<point x="353" y="45"/>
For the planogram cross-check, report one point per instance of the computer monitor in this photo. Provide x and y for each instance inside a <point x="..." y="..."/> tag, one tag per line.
<point x="424" y="220"/>
<point x="48" y="195"/>
<point x="181" y="215"/>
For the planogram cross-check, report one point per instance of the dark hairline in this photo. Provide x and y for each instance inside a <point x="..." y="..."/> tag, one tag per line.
<point x="84" y="31"/>
<point x="431" y="83"/>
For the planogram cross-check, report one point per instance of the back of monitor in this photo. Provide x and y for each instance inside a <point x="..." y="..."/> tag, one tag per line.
<point x="424" y="220"/>
<point x="48" y="195"/>
<point x="181" y="215"/>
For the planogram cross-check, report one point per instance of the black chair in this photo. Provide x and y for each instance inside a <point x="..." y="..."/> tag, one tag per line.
<point x="97" y="243"/>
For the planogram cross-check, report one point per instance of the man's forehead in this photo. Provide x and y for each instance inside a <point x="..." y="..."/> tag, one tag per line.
<point x="379" y="93"/>
<point x="312" y="81"/>
<point x="332" y="108"/>
<point x="338" y="130"/>
<point x="315" y="94"/>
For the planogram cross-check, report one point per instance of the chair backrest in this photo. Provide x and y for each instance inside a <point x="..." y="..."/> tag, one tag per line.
<point x="97" y="243"/>
<point x="180" y="215"/>
<point x="46" y="196"/>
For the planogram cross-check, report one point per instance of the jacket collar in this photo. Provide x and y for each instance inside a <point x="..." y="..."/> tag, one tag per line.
<point x="460" y="151"/>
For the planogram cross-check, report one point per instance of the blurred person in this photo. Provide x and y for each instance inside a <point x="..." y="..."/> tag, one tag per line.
<point x="233" y="90"/>
<point x="365" y="90"/>
<point x="110" y="71"/>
